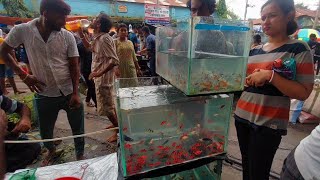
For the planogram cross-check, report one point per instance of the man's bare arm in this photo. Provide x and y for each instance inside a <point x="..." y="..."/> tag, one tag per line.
<point x="75" y="73"/>
<point x="29" y="80"/>
<point x="6" y="53"/>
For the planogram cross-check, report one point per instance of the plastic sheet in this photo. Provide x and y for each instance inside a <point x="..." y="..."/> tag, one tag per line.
<point x="100" y="168"/>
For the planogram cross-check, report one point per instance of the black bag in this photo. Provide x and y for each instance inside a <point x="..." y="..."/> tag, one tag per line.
<point x="18" y="156"/>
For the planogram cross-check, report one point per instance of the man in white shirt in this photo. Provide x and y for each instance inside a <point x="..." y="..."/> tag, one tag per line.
<point x="53" y="57"/>
<point x="304" y="161"/>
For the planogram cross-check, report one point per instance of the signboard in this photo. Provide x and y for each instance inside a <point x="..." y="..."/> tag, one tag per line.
<point x="156" y="14"/>
<point x="122" y="9"/>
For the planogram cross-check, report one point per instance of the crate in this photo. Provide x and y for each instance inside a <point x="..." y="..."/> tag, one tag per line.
<point x="160" y="126"/>
<point x="204" y="56"/>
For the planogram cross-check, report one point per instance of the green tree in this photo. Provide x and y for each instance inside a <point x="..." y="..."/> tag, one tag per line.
<point x="232" y="15"/>
<point x="222" y="10"/>
<point x="16" y="8"/>
<point x="301" y="6"/>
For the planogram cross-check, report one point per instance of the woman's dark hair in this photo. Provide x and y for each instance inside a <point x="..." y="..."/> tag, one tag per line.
<point x="257" y="38"/>
<point x="122" y="25"/>
<point x="286" y="6"/>
<point x="55" y="5"/>
<point x="211" y="4"/>
<point x="112" y="33"/>
<point x="105" y="22"/>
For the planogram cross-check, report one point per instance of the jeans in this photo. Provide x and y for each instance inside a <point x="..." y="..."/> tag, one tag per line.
<point x="258" y="145"/>
<point x="47" y="109"/>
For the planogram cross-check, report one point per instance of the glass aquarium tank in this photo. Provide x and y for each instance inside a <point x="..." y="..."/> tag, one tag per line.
<point x="211" y="171"/>
<point x="160" y="126"/>
<point x="202" y="55"/>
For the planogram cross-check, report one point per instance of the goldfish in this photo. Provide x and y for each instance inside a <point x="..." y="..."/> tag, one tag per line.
<point x="141" y="142"/>
<point x="223" y="84"/>
<point x="128" y="146"/>
<point x="173" y="144"/>
<point x="125" y="129"/>
<point x="206" y="86"/>
<point x="184" y="137"/>
<point x="163" y="123"/>
<point x="150" y="130"/>
<point x="143" y="150"/>
<point x="197" y="152"/>
<point x="156" y="164"/>
<point x="181" y="126"/>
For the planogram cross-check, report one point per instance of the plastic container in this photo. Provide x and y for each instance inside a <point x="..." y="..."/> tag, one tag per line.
<point x="203" y="55"/>
<point x="77" y="24"/>
<point x="160" y="126"/>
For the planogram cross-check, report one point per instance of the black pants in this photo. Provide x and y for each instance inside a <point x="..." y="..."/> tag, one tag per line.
<point x="317" y="60"/>
<point x="258" y="145"/>
<point x="91" y="94"/>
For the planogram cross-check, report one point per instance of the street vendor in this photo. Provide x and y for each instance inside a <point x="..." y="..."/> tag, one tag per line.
<point x="18" y="156"/>
<point x="54" y="60"/>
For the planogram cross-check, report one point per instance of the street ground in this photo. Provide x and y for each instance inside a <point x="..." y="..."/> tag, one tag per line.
<point x="96" y="144"/>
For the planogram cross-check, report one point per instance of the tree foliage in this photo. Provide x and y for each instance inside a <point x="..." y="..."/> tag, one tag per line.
<point x="222" y="10"/>
<point x="16" y="8"/>
<point x="301" y="6"/>
<point x="232" y="15"/>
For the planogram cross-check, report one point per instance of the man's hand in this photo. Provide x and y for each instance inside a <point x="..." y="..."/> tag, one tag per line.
<point x="139" y="73"/>
<point x="117" y="72"/>
<point x="94" y="75"/>
<point x="75" y="101"/>
<point x="33" y="84"/>
<point x="3" y="122"/>
<point x="23" y="126"/>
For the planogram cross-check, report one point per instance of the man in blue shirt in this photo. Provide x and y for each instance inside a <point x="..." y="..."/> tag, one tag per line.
<point x="134" y="39"/>
<point x="150" y="49"/>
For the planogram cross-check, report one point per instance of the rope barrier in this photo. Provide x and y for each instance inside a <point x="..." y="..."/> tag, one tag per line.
<point x="59" y="139"/>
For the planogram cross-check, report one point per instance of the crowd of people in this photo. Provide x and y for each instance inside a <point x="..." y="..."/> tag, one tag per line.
<point x="261" y="115"/>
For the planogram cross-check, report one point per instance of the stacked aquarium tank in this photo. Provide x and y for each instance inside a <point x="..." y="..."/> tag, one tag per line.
<point x="211" y="171"/>
<point x="160" y="126"/>
<point x="202" y="55"/>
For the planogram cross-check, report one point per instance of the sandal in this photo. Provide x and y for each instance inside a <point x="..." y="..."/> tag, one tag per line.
<point x="51" y="158"/>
